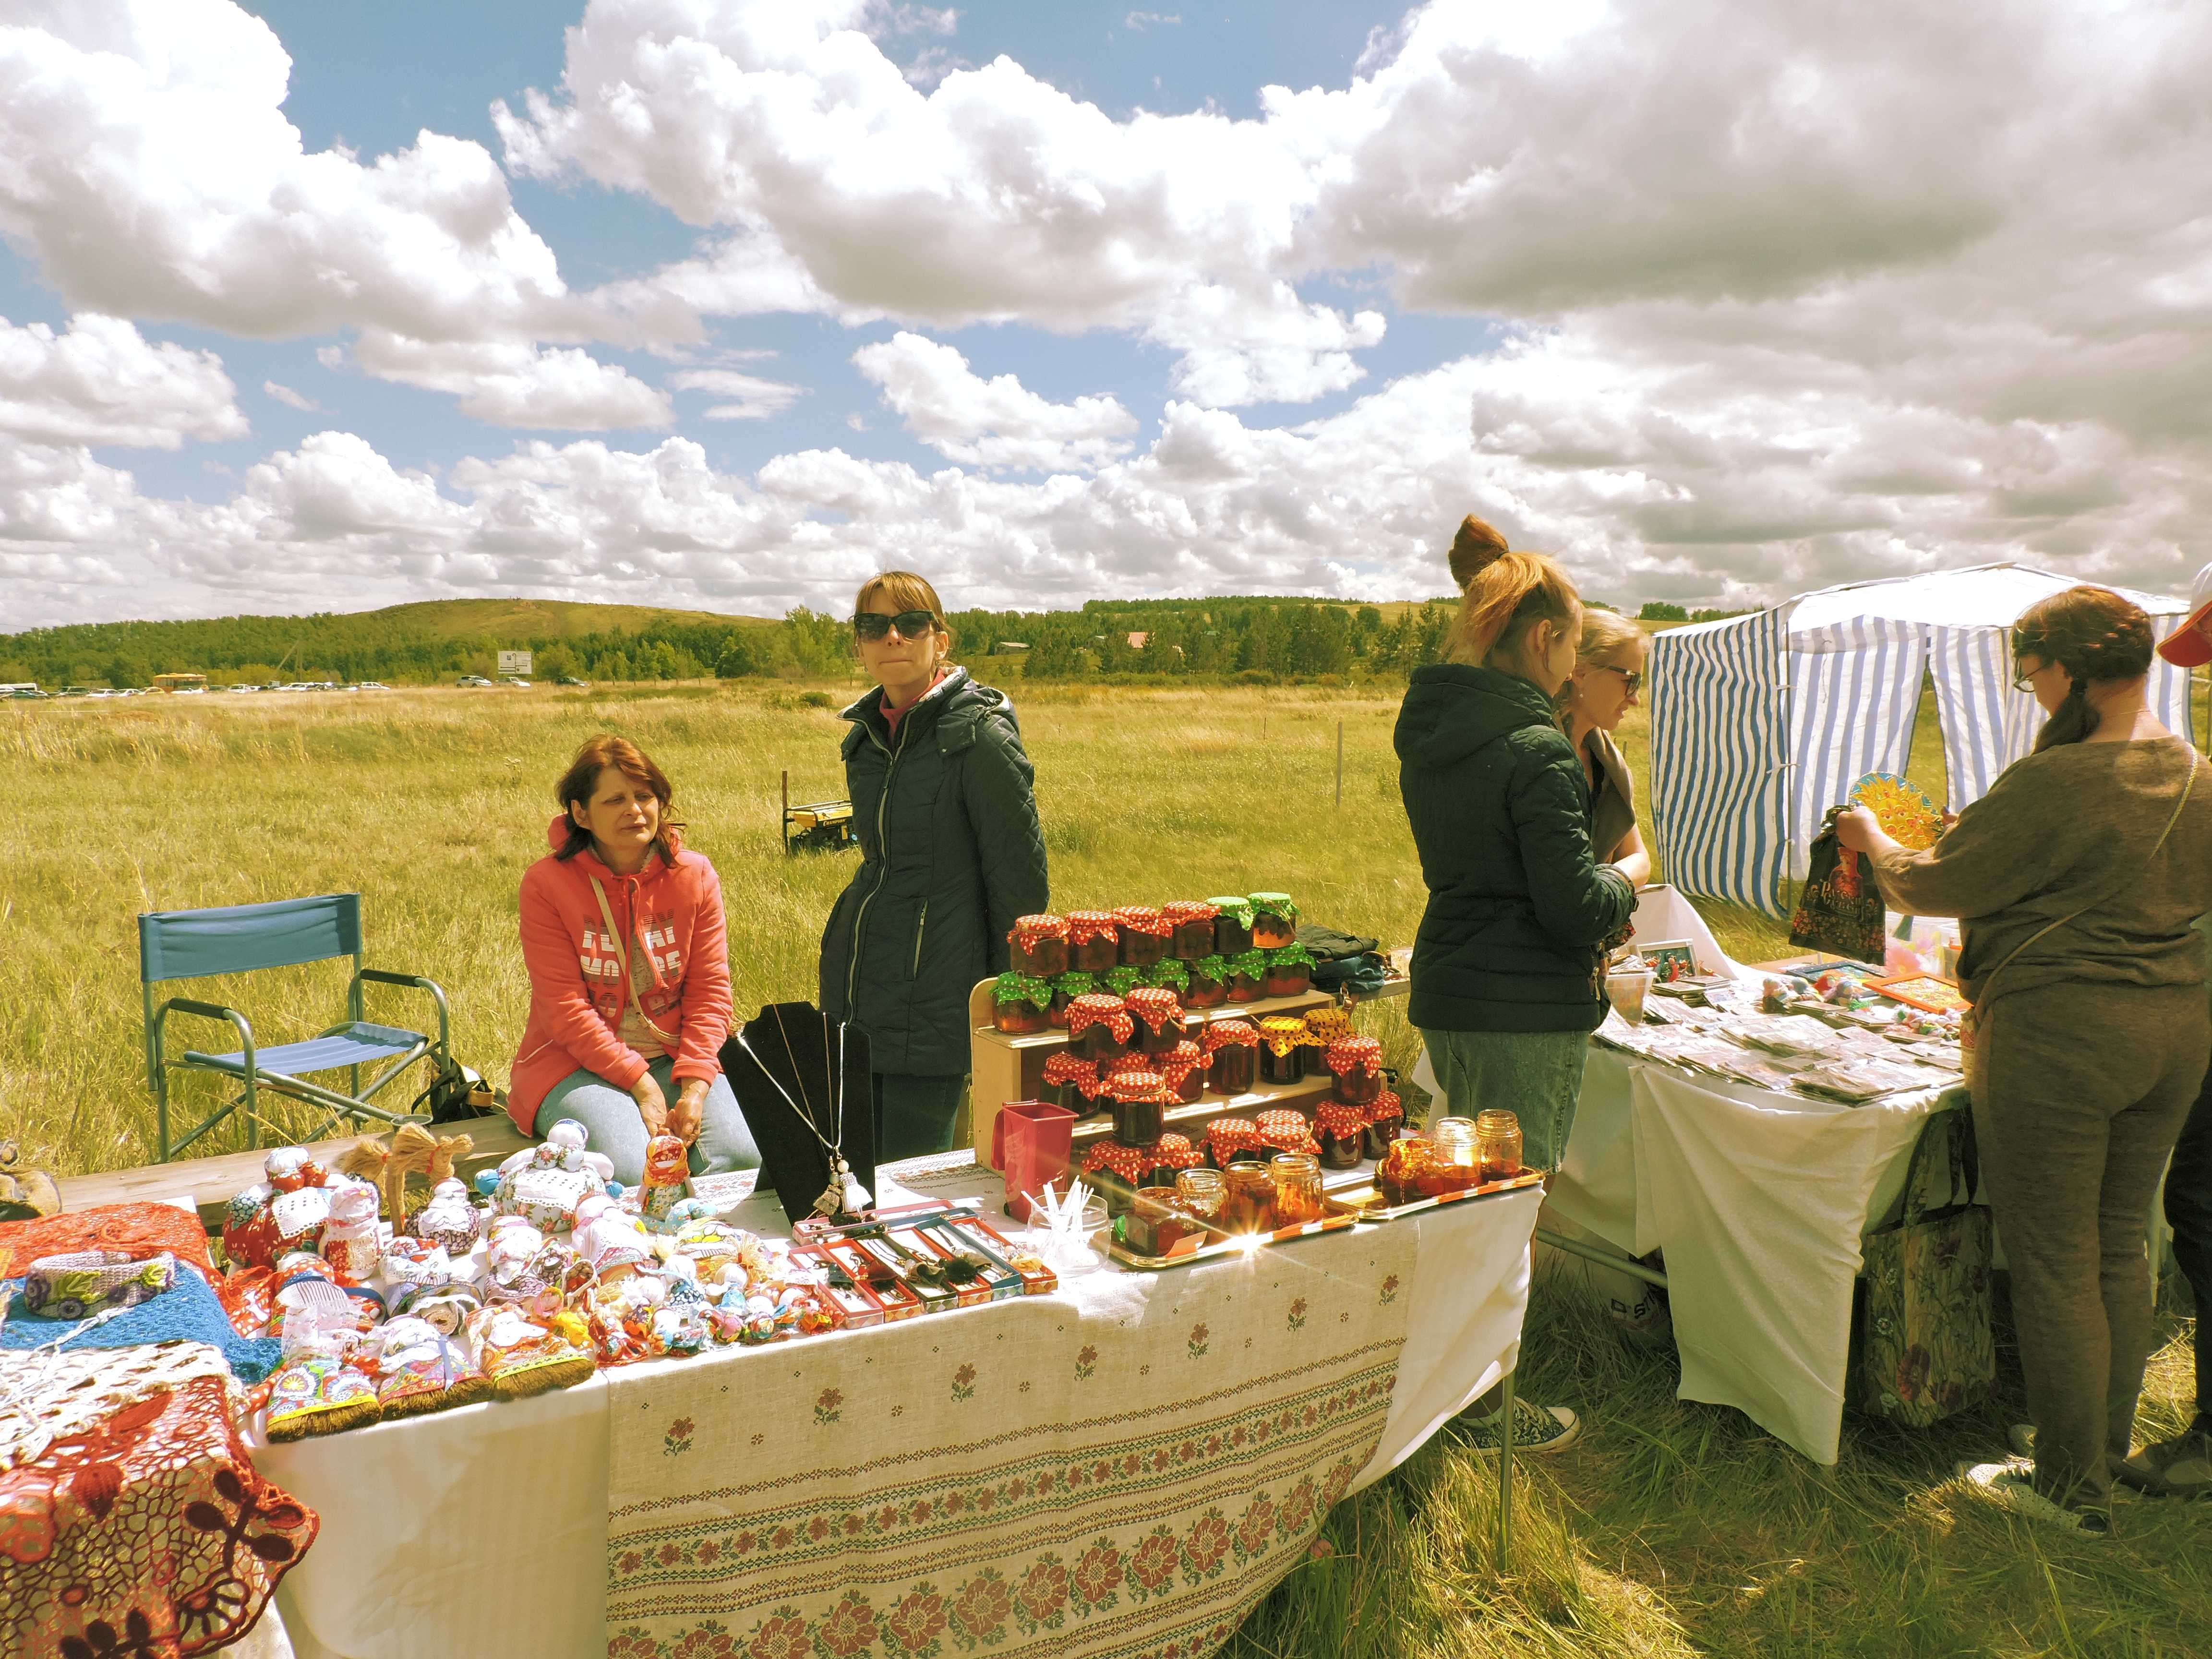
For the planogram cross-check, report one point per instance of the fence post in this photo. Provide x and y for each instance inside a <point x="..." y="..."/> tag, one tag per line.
<point x="1340" y="763"/>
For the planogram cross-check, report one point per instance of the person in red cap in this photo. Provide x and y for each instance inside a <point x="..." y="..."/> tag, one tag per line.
<point x="2182" y="1467"/>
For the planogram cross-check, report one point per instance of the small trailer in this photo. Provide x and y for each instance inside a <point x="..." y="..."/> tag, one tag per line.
<point x="823" y="826"/>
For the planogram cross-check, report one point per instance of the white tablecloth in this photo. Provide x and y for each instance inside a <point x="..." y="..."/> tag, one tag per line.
<point x="484" y="1530"/>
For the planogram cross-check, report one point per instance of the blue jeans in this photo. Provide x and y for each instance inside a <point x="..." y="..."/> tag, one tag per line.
<point x="913" y="1115"/>
<point x="1535" y="1075"/>
<point x="612" y="1126"/>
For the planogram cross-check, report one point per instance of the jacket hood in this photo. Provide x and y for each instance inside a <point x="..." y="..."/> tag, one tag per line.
<point x="958" y="692"/>
<point x="1452" y="710"/>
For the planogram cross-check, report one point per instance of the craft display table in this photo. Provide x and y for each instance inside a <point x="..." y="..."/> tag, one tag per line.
<point x="1130" y="1463"/>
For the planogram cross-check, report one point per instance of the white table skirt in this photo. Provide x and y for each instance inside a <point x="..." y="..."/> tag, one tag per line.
<point x="484" y="1530"/>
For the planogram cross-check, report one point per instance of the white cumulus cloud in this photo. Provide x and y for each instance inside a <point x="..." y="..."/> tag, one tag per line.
<point x="102" y="382"/>
<point x="511" y="383"/>
<point x="750" y="396"/>
<point x="997" y="423"/>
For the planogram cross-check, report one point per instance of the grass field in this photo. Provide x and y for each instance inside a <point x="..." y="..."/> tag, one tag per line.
<point x="1672" y="1529"/>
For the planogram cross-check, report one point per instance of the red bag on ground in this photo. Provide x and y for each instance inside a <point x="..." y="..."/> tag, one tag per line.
<point x="1031" y="1141"/>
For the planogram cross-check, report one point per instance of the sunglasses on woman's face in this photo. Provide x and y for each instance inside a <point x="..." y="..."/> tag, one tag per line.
<point x="1631" y="678"/>
<point x="911" y="624"/>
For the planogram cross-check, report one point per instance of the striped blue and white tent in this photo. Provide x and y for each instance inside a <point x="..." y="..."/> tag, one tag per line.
<point x="1760" y="723"/>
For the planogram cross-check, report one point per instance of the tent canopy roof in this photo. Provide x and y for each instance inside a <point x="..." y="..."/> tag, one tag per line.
<point x="1982" y="596"/>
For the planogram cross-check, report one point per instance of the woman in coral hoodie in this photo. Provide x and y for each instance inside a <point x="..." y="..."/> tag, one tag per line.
<point x="629" y="975"/>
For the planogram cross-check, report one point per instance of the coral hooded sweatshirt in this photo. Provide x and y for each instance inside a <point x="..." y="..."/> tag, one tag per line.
<point x="673" y="914"/>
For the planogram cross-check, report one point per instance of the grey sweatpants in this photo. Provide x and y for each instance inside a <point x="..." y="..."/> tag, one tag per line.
<point x="2079" y="1090"/>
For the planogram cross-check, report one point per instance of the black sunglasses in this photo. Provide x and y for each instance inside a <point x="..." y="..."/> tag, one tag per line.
<point x="911" y="624"/>
<point x="1631" y="678"/>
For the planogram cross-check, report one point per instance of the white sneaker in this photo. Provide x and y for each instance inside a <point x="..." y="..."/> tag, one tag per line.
<point x="1535" y="1429"/>
<point x="2012" y="1484"/>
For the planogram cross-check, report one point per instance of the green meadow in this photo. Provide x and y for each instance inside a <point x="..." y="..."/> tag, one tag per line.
<point x="1670" y="1529"/>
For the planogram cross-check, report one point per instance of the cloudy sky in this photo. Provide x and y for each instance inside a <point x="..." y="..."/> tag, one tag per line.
<point x="313" y="304"/>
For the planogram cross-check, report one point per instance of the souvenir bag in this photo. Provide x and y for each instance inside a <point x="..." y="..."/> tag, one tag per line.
<point x="1840" y="910"/>
<point x="1926" y="1351"/>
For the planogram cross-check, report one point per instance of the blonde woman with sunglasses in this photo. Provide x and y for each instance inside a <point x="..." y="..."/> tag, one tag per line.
<point x="1600" y="690"/>
<point x="951" y="856"/>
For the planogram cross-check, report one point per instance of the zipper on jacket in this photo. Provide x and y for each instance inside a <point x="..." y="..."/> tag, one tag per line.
<point x="883" y="854"/>
<point x="920" y="923"/>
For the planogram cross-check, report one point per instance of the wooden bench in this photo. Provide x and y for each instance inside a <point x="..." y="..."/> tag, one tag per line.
<point x="209" y="1183"/>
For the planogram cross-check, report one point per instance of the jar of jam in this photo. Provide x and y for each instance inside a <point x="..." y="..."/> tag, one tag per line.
<point x="1232" y="1052"/>
<point x="1284" y="1129"/>
<point x="1274" y="920"/>
<point x="1183" y="1070"/>
<point x="1171" y="1155"/>
<point x="1228" y="1138"/>
<point x="1159" y="1020"/>
<point x="1386" y="1118"/>
<point x="1290" y="971"/>
<point x="1208" y="985"/>
<point x="1299" y="1198"/>
<point x="1342" y="1130"/>
<point x="1199" y="1191"/>
<point x="1232" y="926"/>
<point x="1408" y="1172"/>
<point x="1144" y="934"/>
<point x="1120" y="980"/>
<point x="1154" y="1223"/>
<point x="1248" y="976"/>
<point x="1070" y="1080"/>
<point x="1278" y="1047"/>
<point x="1459" y="1163"/>
<point x="1114" y="1172"/>
<point x="1139" y="1107"/>
<point x="1356" y="1064"/>
<point x="1497" y="1145"/>
<point x="1021" y="1005"/>
<point x="1193" y="925"/>
<point x="1099" y="1027"/>
<point x="1038" y="945"/>
<point x="1065" y="990"/>
<point x="1094" y="943"/>
<point x="1323" y="1027"/>
<point x="1248" y="1204"/>
<point x="1169" y="974"/>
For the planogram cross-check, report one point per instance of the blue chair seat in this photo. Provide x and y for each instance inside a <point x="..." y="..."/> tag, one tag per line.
<point x="358" y="1044"/>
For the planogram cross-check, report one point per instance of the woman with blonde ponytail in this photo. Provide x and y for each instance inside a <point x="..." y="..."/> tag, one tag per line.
<point x="1508" y="963"/>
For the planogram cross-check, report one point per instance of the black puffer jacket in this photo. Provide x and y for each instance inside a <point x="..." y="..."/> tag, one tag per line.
<point x="950" y="854"/>
<point x="1518" y="907"/>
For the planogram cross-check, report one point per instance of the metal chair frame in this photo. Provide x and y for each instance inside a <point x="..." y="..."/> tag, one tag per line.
<point x="335" y="915"/>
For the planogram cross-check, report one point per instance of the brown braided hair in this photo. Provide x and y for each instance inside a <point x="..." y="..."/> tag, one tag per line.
<point x="2097" y="637"/>
<point x="1474" y="548"/>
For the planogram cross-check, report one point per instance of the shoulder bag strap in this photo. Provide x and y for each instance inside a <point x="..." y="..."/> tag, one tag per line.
<point x="622" y="959"/>
<point x="2157" y="846"/>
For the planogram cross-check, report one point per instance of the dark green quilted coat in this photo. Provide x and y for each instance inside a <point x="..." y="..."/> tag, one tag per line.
<point x="950" y="854"/>
<point x="1518" y="906"/>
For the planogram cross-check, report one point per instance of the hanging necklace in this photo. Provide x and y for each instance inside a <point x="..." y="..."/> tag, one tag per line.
<point x="844" y="1193"/>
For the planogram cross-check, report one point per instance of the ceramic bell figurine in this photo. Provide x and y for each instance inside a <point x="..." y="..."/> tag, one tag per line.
<point x="545" y="1183"/>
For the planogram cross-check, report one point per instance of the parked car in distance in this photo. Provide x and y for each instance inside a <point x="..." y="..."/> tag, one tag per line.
<point x="236" y="689"/>
<point x="369" y="685"/>
<point x="472" y="679"/>
<point x="571" y="680"/>
<point x="511" y="680"/>
<point x="25" y="692"/>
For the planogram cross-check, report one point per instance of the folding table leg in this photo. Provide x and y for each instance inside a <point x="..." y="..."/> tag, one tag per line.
<point x="1505" y="1481"/>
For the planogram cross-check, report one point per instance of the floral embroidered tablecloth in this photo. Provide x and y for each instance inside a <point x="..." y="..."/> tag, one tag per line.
<point x="1125" y="1469"/>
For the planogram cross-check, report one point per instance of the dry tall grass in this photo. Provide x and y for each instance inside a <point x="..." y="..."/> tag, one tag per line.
<point x="1672" y="1529"/>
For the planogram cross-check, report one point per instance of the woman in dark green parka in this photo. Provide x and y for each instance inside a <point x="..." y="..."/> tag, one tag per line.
<point x="950" y="855"/>
<point x="1508" y="964"/>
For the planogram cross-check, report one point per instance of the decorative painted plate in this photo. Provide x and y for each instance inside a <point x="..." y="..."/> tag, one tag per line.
<point x="1935" y="996"/>
<point x="1908" y="816"/>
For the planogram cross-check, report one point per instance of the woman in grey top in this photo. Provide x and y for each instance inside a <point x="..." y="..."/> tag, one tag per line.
<point x="1600" y="690"/>
<point x="2077" y="878"/>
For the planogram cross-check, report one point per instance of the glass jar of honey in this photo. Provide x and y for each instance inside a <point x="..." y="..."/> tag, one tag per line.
<point x="1298" y="1198"/>
<point x="1192" y="925"/>
<point x="1340" y="1129"/>
<point x="1497" y="1145"/>
<point x="1274" y="920"/>
<point x="1144" y="934"/>
<point x="1231" y="1140"/>
<point x="1249" y="1198"/>
<point x="1039" y="946"/>
<point x="1279" y="1034"/>
<point x="1139" y="1107"/>
<point x="1094" y="943"/>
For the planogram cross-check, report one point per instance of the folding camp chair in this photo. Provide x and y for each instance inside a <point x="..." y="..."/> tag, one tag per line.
<point x="244" y="938"/>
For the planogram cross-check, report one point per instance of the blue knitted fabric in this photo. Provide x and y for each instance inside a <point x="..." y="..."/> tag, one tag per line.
<point x="187" y="1309"/>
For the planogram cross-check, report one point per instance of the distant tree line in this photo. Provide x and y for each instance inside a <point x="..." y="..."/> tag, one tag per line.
<point x="1256" y="638"/>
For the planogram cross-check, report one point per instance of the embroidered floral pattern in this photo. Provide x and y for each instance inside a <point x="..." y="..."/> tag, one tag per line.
<point x="1297" y="1318"/>
<point x="678" y="1440"/>
<point x="1199" y="1337"/>
<point x="963" y="1382"/>
<point x="1389" y="1292"/>
<point x="829" y="1405"/>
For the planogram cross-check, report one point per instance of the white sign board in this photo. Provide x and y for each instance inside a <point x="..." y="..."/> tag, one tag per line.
<point x="514" y="662"/>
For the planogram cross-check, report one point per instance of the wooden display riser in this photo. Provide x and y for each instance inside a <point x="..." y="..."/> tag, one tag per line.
<point x="1010" y="1068"/>
<point x="209" y="1183"/>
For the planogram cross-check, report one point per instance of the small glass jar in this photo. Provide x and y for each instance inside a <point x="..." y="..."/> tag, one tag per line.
<point x="1139" y="1110"/>
<point x="1099" y="1027"/>
<point x="1209" y="983"/>
<point x="1199" y="1191"/>
<point x="1144" y="934"/>
<point x="1168" y="973"/>
<point x="1355" y="1064"/>
<point x="1160" y="1026"/>
<point x="1231" y="1140"/>
<point x="1154" y="1223"/>
<point x="1298" y="1198"/>
<point x="1339" y="1128"/>
<point x="1248" y="1197"/>
<point x="1455" y="1140"/>
<point x="1290" y="971"/>
<point x="1232" y="926"/>
<point x="1386" y="1118"/>
<point x="1248" y="976"/>
<point x="1065" y="990"/>
<point x="1184" y="1068"/>
<point x="1497" y="1145"/>
<point x="1232" y="1066"/>
<point x="1274" y="920"/>
<point x="1193" y="925"/>
<point x="1070" y="1081"/>
<point x="1279" y="1049"/>
<point x="1094" y="943"/>
<point x="1406" y="1175"/>
<point x="1039" y="946"/>
<point x="1021" y="1005"/>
